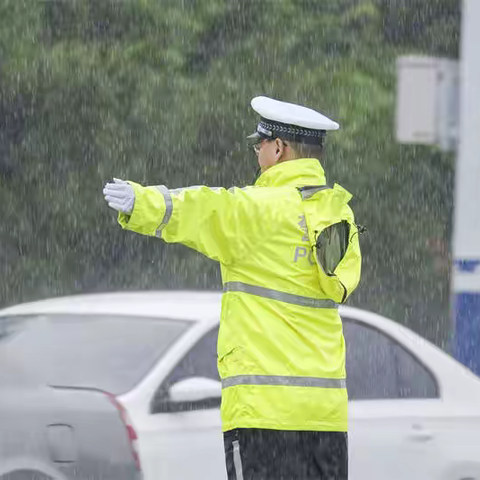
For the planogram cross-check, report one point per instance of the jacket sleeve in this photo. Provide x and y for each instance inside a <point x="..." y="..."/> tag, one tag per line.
<point x="222" y="224"/>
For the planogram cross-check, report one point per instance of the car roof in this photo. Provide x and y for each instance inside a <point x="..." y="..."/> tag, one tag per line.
<point x="176" y="305"/>
<point x="193" y="305"/>
<point x="204" y="307"/>
<point x="197" y="306"/>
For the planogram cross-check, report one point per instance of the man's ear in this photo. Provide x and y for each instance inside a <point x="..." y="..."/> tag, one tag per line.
<point x="278" y="148"/>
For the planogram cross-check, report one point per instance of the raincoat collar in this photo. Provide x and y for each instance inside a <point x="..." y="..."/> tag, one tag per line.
<point x="294" y="173"/>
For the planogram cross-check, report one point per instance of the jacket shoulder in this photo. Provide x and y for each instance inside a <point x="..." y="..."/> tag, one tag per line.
<point x="256" y="193"/>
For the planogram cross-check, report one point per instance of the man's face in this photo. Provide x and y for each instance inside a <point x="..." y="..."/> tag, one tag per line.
<point x="267" y="153"/>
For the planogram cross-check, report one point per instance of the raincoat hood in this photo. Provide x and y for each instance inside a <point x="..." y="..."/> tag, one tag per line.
<point x="294" y="173"/>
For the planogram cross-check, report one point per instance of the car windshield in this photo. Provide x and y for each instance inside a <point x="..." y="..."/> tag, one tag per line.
<point x="111" y="353"/>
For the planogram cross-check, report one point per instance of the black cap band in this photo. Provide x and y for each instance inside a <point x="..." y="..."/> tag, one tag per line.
<point x="272" y="129"/>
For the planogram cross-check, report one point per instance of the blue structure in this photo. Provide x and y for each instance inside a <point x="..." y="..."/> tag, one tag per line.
<point x="466" y="275"/>
<point x="466" y="306"/>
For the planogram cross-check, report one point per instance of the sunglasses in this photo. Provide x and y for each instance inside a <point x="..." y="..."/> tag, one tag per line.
<point x="258" y="145"/>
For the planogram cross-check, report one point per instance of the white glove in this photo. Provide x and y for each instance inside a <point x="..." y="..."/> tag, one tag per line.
<point x="120" y="196"/>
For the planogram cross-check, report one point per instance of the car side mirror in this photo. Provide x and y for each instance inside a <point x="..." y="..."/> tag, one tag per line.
<point x="194" y="389"/>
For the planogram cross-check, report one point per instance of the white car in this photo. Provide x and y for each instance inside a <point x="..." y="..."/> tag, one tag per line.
<point x="414" y="411"/>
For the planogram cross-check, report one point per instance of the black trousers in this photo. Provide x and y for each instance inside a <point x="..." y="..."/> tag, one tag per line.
<point x="258" y="454"/>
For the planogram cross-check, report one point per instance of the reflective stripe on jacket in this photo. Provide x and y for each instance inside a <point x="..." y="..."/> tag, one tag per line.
<point x="281" y="351"/>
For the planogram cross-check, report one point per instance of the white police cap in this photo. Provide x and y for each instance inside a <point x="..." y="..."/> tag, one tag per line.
<point x="290" y="122"/>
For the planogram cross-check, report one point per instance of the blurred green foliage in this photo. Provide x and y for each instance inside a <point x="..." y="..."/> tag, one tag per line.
<point x="158" y="91"/>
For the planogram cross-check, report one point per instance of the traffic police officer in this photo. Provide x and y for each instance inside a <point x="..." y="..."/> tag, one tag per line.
<point x="289" y="255"/>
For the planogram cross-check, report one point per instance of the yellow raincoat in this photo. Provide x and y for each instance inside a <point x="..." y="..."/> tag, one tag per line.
<point x="289" y="253"/>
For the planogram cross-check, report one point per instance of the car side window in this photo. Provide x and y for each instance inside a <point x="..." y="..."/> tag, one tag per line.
<point x="414" y="380"/>
<point x="370" y="363"/>
<point x="200" y="361"/>
<point x="380" y="368"/>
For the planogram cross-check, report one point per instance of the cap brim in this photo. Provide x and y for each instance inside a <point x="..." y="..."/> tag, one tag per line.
<point x="254" y="136"/>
